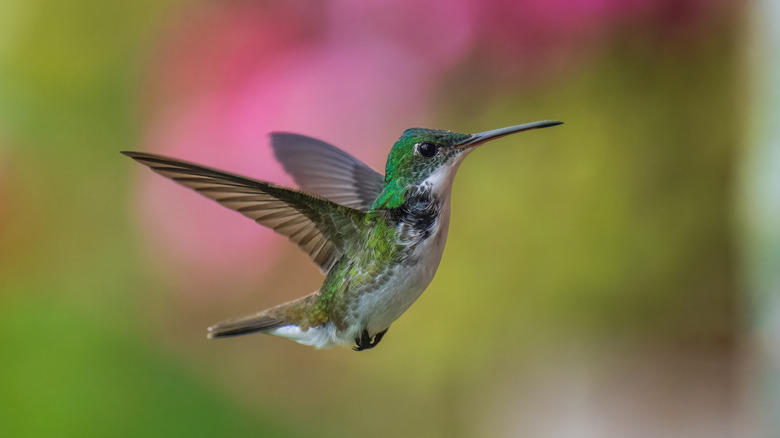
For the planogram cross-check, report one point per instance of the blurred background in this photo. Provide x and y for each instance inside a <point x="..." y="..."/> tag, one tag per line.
<point x="615" y="276"/>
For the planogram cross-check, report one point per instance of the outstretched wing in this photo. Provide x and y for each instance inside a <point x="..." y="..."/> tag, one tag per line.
<point x="320" y="227"/>
<point x="326" y="170"/>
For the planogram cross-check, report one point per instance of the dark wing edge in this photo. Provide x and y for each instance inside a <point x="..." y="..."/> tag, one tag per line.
<point x="320" y="227"/>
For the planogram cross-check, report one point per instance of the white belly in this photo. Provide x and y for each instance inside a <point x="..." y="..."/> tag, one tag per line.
<point x="381" y="307"/>
<point x="377" y="309"/>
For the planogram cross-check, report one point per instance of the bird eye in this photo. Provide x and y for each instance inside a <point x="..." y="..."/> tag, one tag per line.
<point x="427" y="150"/>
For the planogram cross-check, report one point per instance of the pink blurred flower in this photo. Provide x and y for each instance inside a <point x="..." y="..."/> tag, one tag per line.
<point x="350" y="72"/>
<point x="439" y="33"/>
<point x="516" y="31"/>
<point x="358" y="96"/>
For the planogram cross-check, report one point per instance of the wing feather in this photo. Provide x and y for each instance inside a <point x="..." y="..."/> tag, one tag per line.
<point x="320" y="227"/>
<point x="326" y="170"/>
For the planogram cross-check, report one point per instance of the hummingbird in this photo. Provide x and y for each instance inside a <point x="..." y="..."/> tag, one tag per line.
<point x="379" y="239"/>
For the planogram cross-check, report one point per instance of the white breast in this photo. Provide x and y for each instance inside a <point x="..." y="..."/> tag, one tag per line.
<point x="377" y="309"/>
<point x="380" y="308"/>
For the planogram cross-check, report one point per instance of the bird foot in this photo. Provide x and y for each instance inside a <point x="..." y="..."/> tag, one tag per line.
<point x="365" y="342"/>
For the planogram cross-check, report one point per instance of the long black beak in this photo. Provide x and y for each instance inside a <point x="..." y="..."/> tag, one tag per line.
<point x="482" y="137"/>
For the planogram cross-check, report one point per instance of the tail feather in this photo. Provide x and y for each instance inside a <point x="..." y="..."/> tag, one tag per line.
<point x="244" y="326"/>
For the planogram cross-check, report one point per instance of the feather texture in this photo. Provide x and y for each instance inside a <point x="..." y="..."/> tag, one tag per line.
<point x="244" y="326"/>
<point x="321" y="228"/>
<point x="326" y="170"/>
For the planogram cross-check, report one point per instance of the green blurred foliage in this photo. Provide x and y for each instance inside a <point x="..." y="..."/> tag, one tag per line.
<point x="76" y="355"/>
<point x="615" y="226"/>
<point x="69" y="372"/>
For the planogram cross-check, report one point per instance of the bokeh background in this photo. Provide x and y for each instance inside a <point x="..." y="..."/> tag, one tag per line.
<point x="615" y="276"/>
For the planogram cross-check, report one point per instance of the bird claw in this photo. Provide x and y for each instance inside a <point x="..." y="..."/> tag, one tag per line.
<point x="366" y="342"/>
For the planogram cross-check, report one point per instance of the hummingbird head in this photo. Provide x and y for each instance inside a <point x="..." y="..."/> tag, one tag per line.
<point x="431" y="156"/>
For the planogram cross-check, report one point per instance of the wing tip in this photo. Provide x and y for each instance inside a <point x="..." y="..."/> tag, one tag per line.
<point x="137" y="156"/>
